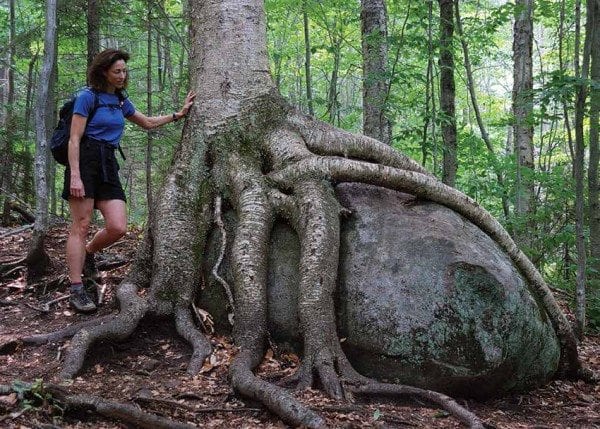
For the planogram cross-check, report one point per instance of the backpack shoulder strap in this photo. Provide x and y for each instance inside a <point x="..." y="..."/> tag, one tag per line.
<point x="122" y="94"/>
<point x="96" y="104"/>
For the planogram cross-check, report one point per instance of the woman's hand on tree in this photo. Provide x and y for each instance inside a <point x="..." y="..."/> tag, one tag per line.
<point x="189" y="101"/>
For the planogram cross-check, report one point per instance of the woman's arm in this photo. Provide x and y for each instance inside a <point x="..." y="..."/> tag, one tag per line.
<point x="149" y="122"/>
<point x="77" y="128"/>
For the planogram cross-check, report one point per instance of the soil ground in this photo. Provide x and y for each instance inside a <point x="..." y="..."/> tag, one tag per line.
<point x="148" y="369"/>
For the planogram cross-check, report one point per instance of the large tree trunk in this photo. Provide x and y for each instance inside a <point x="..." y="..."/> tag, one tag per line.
<point x="523" y="119"/>
<point x="37" y="259"/>
<point x="448" y="92"/>
<point x="376" y="123"/>
<point x="246" y="145"/>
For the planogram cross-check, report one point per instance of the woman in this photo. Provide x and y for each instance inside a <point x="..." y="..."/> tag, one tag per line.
<point x="91" y="178"/>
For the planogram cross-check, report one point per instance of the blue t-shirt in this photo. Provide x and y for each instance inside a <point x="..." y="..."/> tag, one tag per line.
<point x="108" y="122"/>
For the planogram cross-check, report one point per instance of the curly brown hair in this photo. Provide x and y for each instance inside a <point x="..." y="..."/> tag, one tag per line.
<point x="101" y="63"/>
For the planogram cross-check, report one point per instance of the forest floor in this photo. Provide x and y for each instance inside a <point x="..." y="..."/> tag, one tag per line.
<point x="148" y="369"/>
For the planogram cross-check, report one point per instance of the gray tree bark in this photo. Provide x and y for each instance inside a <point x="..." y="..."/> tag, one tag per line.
<point x="37" y="258"/>
<point x="594" y="158"/>
<point x="149" y="107"/>
<point x="246" y="145"/>
<point x="6" y="183"/>
<point x="430" y="107"/>
<point x="93" y="30"/>
<point x="376" y="122"/>
<point x="307" y="56"/>
<point x="579" y="174"/>
<point x="522" y="97"/>
<point x="448" y="92"/>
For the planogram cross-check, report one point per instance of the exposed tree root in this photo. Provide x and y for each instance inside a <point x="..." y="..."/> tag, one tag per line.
<point x="436" y="398"/>
<point x="200" y="344"/>
<point x="215" y="271"/>
<point x="318" y="227"/>
<point x="38" y="339"/>
<point x="249" y="268"/>
<point x="133" y="308"/>
<point x="126" y="413"/>
<point x="276" y="399"/>
<point x="323" y="139"/>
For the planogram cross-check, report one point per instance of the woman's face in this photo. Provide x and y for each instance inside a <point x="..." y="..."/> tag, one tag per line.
<point x="116" y="75"/>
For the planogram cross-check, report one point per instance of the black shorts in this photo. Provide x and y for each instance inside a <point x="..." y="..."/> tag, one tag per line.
<point x="99" y="172"/>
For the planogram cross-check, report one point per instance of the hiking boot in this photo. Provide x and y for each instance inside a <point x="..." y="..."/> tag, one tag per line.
<point x="81" y="302"/>
<point x="90" y="270"/>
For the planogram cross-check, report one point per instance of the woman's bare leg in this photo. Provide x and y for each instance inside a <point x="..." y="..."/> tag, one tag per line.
<point x="115" y="225"/>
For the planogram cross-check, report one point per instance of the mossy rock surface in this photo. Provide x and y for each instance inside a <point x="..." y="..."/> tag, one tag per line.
<point x="424" y="298"/>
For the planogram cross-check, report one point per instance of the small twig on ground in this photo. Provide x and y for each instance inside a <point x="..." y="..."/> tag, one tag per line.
<point x="45" y="307"/>
<point x="16" y="230"/>
<point x="13" y="270"/>
<point x="196" y="409"/>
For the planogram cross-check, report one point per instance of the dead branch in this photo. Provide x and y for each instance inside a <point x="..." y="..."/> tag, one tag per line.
<point x="45" y="307"/>
<point x="176" y="404"/>
<point x="16" y="231"/>
<point x="114" y="410"/>
<point x="25" y="214"/>
<point x="11" y="271"/>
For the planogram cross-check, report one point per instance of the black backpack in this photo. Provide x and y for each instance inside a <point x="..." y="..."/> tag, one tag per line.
<point x="59" y="143"/>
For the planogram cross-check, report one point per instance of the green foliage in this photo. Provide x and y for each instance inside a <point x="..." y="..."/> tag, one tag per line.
<point x="36" y="396"/>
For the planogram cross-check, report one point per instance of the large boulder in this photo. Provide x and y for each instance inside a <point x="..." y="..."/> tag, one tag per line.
<point x="424" y="298"/>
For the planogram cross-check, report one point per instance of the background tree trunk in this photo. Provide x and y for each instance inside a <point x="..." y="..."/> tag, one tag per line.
<point x="149" y="107"/>
<point x="307" y="55"/>
<point x="594" y="159"/>
<point x="376" y="123"/>
<point x="523" y="120"/>
<point x="6" y="184"/>
<point x="333" y="103"/>
<point x="579" y="171"/>
<point x="93" y="33"/>
<point x="430" y="107"/>
<point x="448" y="92"/>
<point x="37" y="259"/>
